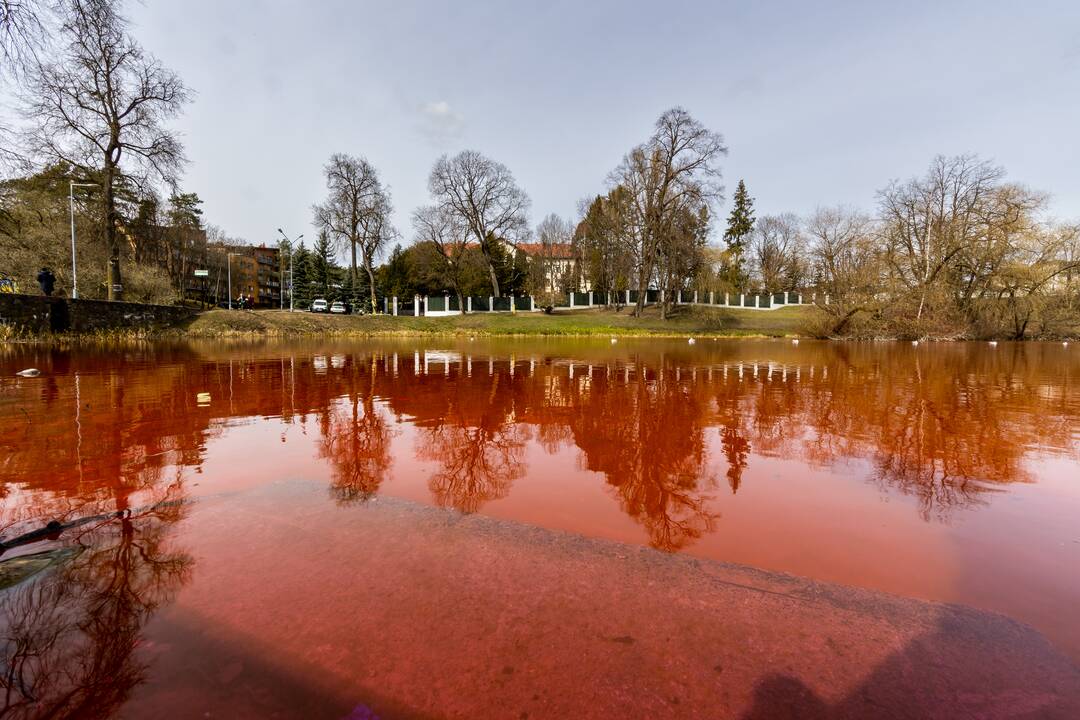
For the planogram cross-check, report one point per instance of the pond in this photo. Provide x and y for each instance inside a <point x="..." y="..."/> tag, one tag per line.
<point x="423" y="527"/>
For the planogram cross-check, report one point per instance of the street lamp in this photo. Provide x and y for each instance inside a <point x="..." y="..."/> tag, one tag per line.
<point x="71" y="207"/>
<point x="290" y="243"/>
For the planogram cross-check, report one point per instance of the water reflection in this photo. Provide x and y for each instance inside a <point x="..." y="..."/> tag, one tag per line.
<point x="72" y="634"/>
<point x="666" y="427"/>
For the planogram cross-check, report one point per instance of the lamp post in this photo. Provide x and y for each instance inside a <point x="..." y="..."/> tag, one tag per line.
<point x="290" y="245"/>
<point x="71" y="207"/>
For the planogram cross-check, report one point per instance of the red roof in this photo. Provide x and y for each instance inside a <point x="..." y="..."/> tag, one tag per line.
<point x="554" y="250"/>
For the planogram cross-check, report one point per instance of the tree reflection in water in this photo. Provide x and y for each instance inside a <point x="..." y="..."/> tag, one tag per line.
<point x="645" y="433"/>
<point x="356" y="443"/>
<point x="478" y="449"/>
<point x="71" y="634"/>
<point x="945" y="425"/>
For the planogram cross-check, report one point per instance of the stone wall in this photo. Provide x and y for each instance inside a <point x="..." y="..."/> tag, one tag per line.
<point x="37" y="314"/>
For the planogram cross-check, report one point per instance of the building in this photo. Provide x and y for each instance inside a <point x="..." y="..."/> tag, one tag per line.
<point x="256" y="274"/>
<point x="559" y="263"/>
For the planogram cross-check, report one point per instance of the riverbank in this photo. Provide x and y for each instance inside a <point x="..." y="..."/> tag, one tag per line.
<point x="688" y="321"/>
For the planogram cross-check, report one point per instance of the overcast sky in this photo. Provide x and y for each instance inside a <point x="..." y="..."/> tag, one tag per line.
<point x="820" y="103"/>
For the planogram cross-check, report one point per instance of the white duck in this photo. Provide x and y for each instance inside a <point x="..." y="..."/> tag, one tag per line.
<point x="691" y="341"/>
<point x="29" y="372"/>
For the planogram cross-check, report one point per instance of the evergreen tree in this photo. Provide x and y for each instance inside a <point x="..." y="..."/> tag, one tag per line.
<point x="322" y="267"/>
<point x="302" y="277"/>
<point x="737" y="236"/>
<point x="393" y="276"/>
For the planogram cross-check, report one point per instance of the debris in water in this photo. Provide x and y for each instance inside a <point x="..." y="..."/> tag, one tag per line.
<point x="29" y="372"/>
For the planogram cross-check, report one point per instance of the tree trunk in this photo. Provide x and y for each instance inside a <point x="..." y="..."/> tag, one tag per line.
<point x="112" y="245"/>
<point x="371" y="285"/>
<point x="352" y="244"/>
<point x="494" y="278"/>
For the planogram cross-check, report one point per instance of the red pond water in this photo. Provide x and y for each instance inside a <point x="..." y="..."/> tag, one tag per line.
<point x="470" y="529"/>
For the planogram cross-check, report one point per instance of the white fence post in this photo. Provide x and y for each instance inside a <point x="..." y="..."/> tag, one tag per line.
<point x="571" y="300"/>
<point x="627" y="297"/>
<point x="591" y="303"/>
<point x="468" y="303"/>
<point x="395" y="306"/>
<point x="532" y="303"/>
<point x="491" y="303"/>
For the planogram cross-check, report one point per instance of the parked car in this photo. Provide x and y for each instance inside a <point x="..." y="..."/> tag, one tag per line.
<point x="319" y="305"/>
<point x="338" y="308"/>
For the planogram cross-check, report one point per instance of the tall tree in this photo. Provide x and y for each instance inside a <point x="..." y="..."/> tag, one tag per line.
<point x="740" y="226"/>
<point x="100" y="106"/>
<point x="322" y="265"/>
<point x="484" y="195"/>
<point x="376" y="232"/>
<point x="354" y="193"/>
<point x="675" y="171"/>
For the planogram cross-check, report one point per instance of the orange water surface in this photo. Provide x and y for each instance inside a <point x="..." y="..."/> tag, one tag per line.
<point x="946" y="472"/>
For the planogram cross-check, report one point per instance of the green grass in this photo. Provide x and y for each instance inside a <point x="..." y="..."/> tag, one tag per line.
<point x="688" y="321"/>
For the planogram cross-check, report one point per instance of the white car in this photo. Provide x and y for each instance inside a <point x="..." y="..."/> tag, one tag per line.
<point x="319" y="305"/>
<point x="338" y="308"/>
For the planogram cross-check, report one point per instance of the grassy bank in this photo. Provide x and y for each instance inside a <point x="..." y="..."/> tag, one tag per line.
<point x="689" y="321"/>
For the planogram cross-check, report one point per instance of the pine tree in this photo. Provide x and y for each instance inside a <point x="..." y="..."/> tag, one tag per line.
<point x="302" y="277"/>
<point x="322" y="266"/>
<point x="737" y="236"/>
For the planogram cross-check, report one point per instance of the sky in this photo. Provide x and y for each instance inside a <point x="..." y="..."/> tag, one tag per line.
<point x="819" y="103"/>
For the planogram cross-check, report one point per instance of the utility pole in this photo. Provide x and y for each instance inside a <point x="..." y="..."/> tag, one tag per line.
<point x="71" y="207"/>
<point x="289" y="244"/>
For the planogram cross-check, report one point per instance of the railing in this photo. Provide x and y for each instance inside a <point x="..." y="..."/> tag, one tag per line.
<point x="448" y="304"/>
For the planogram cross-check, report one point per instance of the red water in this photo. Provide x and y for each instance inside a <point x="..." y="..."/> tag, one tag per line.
<point x="943" y="472"/>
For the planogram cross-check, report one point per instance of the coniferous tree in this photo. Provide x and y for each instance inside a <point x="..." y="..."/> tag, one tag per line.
<point x="302" y="277"/>
<point x="737" y="236"/>
<point x="322" y="266"/>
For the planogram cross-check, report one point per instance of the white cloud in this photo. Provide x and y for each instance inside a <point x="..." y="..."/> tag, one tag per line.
<point x="440" y="123"/>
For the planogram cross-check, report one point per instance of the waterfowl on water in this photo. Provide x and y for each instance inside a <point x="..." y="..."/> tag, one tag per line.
<point x="914" y="343"/>
<point x="795" y="341"/>
<point x="993" y="343"/>
<point x="29" y="372"/>
<point x="614" y="340"/>
<point x="691" y="341"/>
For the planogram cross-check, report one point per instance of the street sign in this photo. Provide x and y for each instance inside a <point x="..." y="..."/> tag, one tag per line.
<point x="202" y="273"/>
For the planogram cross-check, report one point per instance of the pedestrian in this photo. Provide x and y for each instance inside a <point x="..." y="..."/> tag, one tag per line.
<point x="46" y="280"/>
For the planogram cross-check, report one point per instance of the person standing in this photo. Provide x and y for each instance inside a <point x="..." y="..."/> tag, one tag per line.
<point x="46" y="280"/>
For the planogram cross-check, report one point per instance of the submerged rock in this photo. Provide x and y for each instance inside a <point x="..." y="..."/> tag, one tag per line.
<point x="17" y="569"/>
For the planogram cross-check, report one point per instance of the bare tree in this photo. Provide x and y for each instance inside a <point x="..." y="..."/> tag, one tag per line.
<point x="444" y="231"/>
<point x="928" y="221"/>
<point x="673" y="172"/>
<point x="778" y="248"/>
<point x="354" y="189"/>
<point x="376" y="233"/>
<point x="485" y="196"/>
<point x="23" y="31"/>
<point x="101" y="106"/>
<point x="548" y="262"/>
<point x="845" y="262"/>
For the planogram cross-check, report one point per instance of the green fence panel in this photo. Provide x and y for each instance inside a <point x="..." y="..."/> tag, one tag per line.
<point x="562" y="300"/>
<point x="633" y="297"/>
<point x="436" y="303"/>
<point x="523" y="303"/>
<point x="500" y="304"/>
<point x="581" y="298"/>
<point x="652" y="296"/>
